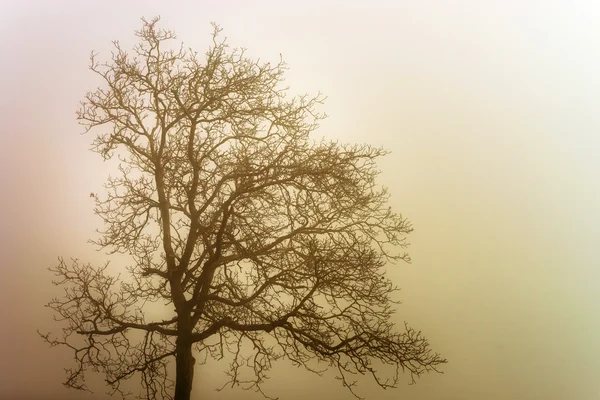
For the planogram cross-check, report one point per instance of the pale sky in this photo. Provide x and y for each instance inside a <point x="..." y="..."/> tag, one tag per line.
<point x="488" y="109"/>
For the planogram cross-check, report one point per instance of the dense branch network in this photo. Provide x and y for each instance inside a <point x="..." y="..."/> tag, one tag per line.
<point x="232" y="213"/>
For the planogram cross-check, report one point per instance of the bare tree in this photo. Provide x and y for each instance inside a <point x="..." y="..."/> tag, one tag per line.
<point x="252" y="231"/>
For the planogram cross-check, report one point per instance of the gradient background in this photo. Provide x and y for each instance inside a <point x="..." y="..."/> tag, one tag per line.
<point x="489" y="109"/>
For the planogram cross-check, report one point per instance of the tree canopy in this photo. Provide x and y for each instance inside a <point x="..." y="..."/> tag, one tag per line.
<point x="267" y="243"/>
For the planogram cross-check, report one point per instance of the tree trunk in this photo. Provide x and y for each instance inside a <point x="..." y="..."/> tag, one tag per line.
<point x="184" y="368"/>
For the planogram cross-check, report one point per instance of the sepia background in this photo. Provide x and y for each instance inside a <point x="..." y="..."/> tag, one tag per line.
<point x="489" y="109"/>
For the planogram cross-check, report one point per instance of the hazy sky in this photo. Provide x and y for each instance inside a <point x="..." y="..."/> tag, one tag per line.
<point x="488" y="108"/>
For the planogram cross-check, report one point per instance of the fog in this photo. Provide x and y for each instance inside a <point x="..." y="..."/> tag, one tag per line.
<point x="488" y="109"/>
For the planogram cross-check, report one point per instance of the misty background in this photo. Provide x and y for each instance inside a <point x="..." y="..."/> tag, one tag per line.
<point x="489" y="109"/>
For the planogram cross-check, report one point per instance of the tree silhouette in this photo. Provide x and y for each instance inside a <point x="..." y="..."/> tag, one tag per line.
<point x="267" y="244"/>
